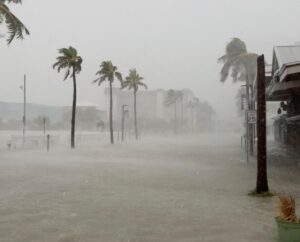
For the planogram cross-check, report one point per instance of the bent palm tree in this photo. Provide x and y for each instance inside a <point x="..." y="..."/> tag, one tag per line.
<point x="16" y="29"/>
<point x="134" y="81"/>
<point x="70" y="61"/>
<point x="108" y="72"/>
<point x="243" y="68"/>
<point x="239" y="62"/>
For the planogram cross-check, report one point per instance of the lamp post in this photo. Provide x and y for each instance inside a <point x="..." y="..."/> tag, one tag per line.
<point x="24" y="108"/>
<point x="124" y="112"/>
<point x="44" y="126"/>
<point x="246" y="108"/>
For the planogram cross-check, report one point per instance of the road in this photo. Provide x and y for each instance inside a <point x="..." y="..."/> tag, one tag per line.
<point x="187" y="189"/>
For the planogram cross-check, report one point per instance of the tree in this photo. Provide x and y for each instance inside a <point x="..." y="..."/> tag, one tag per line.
<point x="16" y="29"/>
<point x="133" y="81"/>
<point x="71" y="61"/>
<point x="108" y="72"/>
<point x="201" y="114"/>
<point x="171" y="99"/>
<point x="193" y="105"/>
<point x="262" y="177"/>
<point x="242" y="66"/>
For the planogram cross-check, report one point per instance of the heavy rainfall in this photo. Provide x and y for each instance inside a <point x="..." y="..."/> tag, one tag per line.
<point x="149" y="121"/>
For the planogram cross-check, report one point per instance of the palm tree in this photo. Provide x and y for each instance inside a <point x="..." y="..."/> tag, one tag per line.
<point x="242" y="66"/>
<point x="16" y="29"/>
<point x="108" y="72"/>
<point x="134" y="81"/>
<point x="180" y="96"/>
<point x="171" y="99"/>
<point x="193" y="105"/>
<point x="71" y="61"/>
<point x="237" y="60"/>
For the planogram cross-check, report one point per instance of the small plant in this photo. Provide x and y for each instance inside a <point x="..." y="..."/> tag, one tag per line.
<point x="287" y="209"/>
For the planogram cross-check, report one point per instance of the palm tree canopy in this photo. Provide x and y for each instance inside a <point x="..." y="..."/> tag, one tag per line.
<point x="193" y="103"/>
<point x="107" y="72"/>
<point x="16" y="29"/>
<point x="237" y="60"/>
<point x="67" y="60"/>
<point x="133" y="81"/>
<point x="172" y="97"/>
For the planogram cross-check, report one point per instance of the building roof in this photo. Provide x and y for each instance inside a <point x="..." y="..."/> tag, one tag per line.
<point x="285" y="72"/>
<point x="287" y="55"/>
<point x="87" y="104"/>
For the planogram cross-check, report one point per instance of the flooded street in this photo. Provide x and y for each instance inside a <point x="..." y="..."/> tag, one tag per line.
<point x="189" y="189"/>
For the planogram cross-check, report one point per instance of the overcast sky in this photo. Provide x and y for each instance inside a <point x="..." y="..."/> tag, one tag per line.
<point x="172" y="43"/>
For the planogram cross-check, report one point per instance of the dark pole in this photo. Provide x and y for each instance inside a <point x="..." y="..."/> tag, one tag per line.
<point x="48" y="142"/>
<point x="123" y="120"/>
<point x="262" y="178"/>
<point x="111" y="113"/>
<point x="246" y="136"/>
<point x="24" y="109"/>
<point x="44" y="123"/>
<point x="175" y="116"/>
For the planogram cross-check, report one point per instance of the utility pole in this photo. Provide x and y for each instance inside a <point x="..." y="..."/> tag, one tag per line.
<point x="246" y="108"/>
<point x="124" y="112"/>
<point x="24" y="109"/>
<point x="44" y="126"/>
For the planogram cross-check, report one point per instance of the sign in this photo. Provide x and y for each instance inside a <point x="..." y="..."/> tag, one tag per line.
<point x="251" y="117"/>
<point x="244" y="104"/>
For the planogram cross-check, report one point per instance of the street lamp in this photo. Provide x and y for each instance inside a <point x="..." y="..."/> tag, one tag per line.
<point x="246" y="108"/>
<point x="124" y="112"/>
<point x="23" y="88"/>
<point x="44" y="126"/>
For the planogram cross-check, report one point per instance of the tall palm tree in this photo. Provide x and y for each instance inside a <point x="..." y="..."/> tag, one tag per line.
<point x="193" y="105"/>
<point x="71" y="61"/>
<point x="16" y="29"/>
<point x="180" y="96"/>
<point x="134" y="81"/>
<point x="108" y="72"/>
<point x="242" y="66"/>
<point x="171" y="99"/>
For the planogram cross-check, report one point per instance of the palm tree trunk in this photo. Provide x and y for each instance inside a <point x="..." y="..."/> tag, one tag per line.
<point x="135" y="115"/>
<point x="111" y="115"/>
<point x="262" y="178"/>
<point x="181" y="114"/>
<point x="73" y="110"/>
<point x="175" y="117"/>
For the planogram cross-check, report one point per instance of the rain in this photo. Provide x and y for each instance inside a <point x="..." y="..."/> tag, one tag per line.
<point x="149" y="121"/>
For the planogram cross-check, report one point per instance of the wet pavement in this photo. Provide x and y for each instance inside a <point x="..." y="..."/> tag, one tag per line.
<point x="168" y="189"/>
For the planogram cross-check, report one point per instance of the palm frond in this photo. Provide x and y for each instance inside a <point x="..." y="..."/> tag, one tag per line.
<point x="16" y="29"/>
<point x="119" y="76"/>
<point x="108" y="72"/>
<point x="68" y="59"/>
<point x="67" y="74"/>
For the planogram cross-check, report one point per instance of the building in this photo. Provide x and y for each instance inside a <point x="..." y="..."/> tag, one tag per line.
<point x="150" y="103"/>
<point x="156" y="114"/>
<point x="88" y="116"/>
<point x="284" y="88"/>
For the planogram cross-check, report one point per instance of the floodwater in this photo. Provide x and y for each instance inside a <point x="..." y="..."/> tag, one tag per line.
<point x="187" y="189"/>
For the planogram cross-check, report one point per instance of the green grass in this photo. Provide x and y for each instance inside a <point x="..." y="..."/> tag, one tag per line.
<point x="253" y="193"/>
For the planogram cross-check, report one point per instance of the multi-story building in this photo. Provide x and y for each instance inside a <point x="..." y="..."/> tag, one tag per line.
<point x="284" y="87"/>
<point x="150" y="104"/>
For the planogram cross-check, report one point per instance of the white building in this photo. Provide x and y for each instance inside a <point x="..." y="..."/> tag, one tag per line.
<point x="150" y="104"/>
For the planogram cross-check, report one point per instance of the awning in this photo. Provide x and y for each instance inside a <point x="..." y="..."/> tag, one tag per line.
<point x="295" y="118"/>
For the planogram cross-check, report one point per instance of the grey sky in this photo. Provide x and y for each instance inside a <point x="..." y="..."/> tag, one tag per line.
<point x="172" y="43"/>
